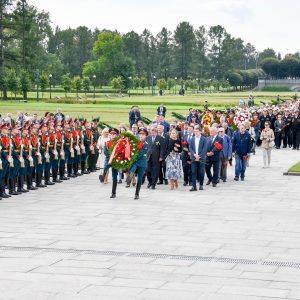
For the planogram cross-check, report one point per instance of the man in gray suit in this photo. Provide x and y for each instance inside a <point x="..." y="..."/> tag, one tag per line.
<point x="198" y="150"/>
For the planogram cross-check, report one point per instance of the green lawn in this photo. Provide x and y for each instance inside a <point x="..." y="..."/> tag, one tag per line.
<point x="295" y="168"/>
<point x="113" y="109"/>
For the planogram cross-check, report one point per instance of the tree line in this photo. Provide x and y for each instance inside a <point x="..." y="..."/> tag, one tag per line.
<point x="31" y="50"/>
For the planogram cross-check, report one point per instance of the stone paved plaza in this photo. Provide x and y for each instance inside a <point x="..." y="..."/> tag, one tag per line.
<point x="240" y="240"/>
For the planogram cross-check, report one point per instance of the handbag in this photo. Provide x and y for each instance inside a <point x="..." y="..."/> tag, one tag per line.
<point x="271" y="144"/>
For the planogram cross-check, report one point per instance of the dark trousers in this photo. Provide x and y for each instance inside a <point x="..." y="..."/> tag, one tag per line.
<point x="152" y="172"/>
<point x="296" y="139"/>
<point x="162" y="171"/>
<point x="197" y="169"/>
<point x="278" y="139"/>
<point x="215" y="164"/>
<point x="287" y="137"/>
<point x="187" y="171"/>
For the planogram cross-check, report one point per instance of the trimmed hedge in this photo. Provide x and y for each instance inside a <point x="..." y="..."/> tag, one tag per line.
<point x="276" y="88"/>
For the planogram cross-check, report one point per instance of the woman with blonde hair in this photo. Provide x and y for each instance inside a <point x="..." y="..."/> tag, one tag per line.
<point x="173" y="162"/>
<point x="104" y="137"/>
<point x="267" y="136"/>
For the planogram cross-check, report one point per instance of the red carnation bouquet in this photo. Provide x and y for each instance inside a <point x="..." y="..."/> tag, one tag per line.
<point x="217" y="147"/>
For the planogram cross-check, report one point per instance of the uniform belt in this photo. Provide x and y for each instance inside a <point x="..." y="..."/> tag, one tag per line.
<point x="33" y="148"/>
<point x="5" y="150"/>
<point x="67" y="144"/>
<point x="17" y="151"/>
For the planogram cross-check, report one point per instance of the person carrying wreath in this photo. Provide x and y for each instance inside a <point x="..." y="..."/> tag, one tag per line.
<point x="108" y="145"/>
<point x="140" y="164"/>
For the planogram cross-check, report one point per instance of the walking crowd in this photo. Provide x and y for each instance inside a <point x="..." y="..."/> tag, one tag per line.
<point x="35" y="149"/>
<point x="205" y="144"/>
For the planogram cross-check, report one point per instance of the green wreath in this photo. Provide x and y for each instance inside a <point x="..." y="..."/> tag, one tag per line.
<point x="118" y="161"/>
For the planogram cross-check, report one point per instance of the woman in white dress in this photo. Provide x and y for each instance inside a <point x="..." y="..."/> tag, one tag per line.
<point x="104" y="137"/>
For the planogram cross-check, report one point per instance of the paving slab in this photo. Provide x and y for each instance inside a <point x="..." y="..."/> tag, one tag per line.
<point x="240" y="240"/>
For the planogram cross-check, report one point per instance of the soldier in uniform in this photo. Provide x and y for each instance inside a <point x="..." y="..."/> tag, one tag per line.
<point x="45" y="149"/>
<point x="69" y="148"/>
<point x="37" y="156"/>
<point x="27" y="156"/>
<point x="108" y="147"/>
<point x="140" y="164"/>
<point x="5" y="144"/>
<point x="93" y="158"/>
<point x="61" y="152"/>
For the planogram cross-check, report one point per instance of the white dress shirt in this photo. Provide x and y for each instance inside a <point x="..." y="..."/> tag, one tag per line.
<point x="197" y="141"/>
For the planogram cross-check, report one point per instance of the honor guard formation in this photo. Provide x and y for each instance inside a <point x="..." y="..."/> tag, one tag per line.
<point x="35" y="150"/>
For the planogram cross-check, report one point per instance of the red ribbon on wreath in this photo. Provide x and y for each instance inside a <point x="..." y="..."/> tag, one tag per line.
<point x="119" y="145"/>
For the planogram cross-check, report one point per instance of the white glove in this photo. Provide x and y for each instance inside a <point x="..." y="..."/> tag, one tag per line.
<point x="38" y="154"/>
<point x="30" y="158"/>
<point x="47" y="155"/>
<point x="30" y="147"/>
<point x="21" y="159"/>
<point x="82" y="147"/>
<point x="55" y="152"/>
<point x="22" y="146"/>
<point x="77" y="148"/>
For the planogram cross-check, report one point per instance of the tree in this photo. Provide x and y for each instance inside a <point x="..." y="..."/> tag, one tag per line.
<point x="86" y="83"/>
<point x="171" y="83"/>
<point x="220" y="42"/>
<point x="201" y="62"/>
<point x="13" y="83"/>
<point x="143" y="83"/>
<point x="77" y="85"/>
<point x="184" y="43"/>
<point x="267" y="53"/>
<point x="66" y="83"/>
<point x="25" y="83"/>
<point x="235" y="79"/>
<point x="162" y="84"/>
<point x="3" y="85"/>
<point x="290" y="67"/>
<point x="164" y="52"/>
<point x="271" y="66"/>
<point x="44" y="82"/>
<point x="136" y="82"/>
<point x="118" y="83"/>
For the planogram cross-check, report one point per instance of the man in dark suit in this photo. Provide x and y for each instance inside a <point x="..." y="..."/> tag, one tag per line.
<point x="162" y="167"/>
<point x="213" y="156"/>
<point x="186" y="159"/>
<point x="161" y="110"/>
<point x="134" y="115"/>
<point x="155" y="156"/>
<point x="198" y="150"/>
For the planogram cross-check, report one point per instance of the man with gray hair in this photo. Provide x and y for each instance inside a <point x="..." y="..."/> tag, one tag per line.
<point x="214" y="146"/>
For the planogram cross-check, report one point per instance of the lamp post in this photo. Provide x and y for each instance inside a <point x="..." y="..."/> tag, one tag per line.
<point x="50" y="83"/>
<point x="153" y="78"/>
<point x="129" y="83"/>
<point x="94" y="82"/>
<point x="197" y="79"/>
<point x="175" y="84"/>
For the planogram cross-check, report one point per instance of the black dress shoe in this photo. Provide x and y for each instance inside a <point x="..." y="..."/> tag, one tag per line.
<point x="149" y="185"/>
<point x="214" y="184"/>
<point x="153" y="187"/>
<point x="166" y="182"/>
<point x="160" y="182"/>
<point x="113" y="196"/>
<point x="136" y="197"/>
<point x="236" y="178"/>
<point x="201" y="188"/>
<point x="49" y="183"/>
<point x="208" y="182"/>
<point x="190" y="184"/>
<point x="193" y="189"/>
<point x="224" y="180"/>
<point x="242" y="178"/>
<point x="185" y="184"/>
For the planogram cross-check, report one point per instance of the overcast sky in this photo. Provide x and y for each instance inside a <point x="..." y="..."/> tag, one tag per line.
<point x="264" y="23"/>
